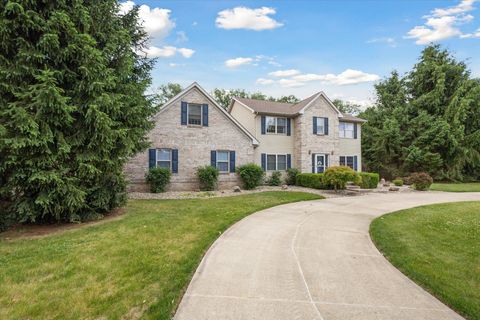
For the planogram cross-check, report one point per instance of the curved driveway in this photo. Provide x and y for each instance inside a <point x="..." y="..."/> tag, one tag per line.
<point x="311" y="260"/>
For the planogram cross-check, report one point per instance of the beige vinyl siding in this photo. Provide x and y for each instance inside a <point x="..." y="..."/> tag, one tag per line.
<point x="352" y="147"/>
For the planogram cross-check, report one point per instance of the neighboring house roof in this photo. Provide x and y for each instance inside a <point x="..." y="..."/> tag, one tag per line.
<point x="214" y="103"/>
<point x="289" y="109"/>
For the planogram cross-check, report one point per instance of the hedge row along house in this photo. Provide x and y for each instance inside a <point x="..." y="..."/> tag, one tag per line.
<point x="193" y="130"/>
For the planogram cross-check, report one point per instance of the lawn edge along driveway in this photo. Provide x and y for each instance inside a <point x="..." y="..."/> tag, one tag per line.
<point x="134" y="267"/>
<point x="456" y="187"/>
<point x="437" y="247"/>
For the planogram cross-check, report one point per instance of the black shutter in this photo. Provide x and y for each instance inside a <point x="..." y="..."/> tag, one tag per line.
<point x="213" y="158"/>
<point x="184" y="114"/>
<point x="232" y="161"/>
<point x="342" y="160"/>
<point x="264" y="160"/>
<point x="152" y="158"/>
<point x="288" y="127"/>
<point x="355" y="131"/>
<point x="289" y="161"/>
<point x="326" y="161"/>
<point x="313" y="162"/>
<point x="355" y="163"/>
<point x="205" y="115"/>
<point x="263" y="125"/>
<point x="314" y="125"/>
<point x="326" y="126"/>
<point x="174" y="160"/>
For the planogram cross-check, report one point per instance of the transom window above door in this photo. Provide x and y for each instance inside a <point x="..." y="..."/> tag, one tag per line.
<point x="276" y="125"/>
<point x="194" y="114"/>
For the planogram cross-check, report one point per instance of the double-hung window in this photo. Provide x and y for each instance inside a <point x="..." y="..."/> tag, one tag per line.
<point x="223" y="161"/>
<point x="164" y="158"/>
<point x="194" y="114"/>
<point x="346" y="130"/>
<point x="347" y="161"/>
<point x="276" y="162"/>
<point x="321" y="125"/>
<point x="276" y="125"/>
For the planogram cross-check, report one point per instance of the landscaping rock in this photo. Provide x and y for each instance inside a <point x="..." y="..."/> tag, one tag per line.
<point x="382" y="181"/>
<point x="386" y="184"/>
<point x="284" y="187"/>
<point x="394" y="189"/>
<point x="237" y="189"/>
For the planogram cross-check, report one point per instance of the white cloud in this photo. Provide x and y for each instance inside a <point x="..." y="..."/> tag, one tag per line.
<point x="264" y="81"/>
<point x="443" y="23"/>
<point x="387" y="40"/>
<point x="284" y="73"/>
<point x="348" y="76"/>
<point x="237" y="62"/>
<point x="174" y="65"/>
<point x="181" y="37"/>
<point x="290" y="83"/>
<point x="247" y="18"/>
<point x="156" y="21"/>
<point x="168" y="52"/>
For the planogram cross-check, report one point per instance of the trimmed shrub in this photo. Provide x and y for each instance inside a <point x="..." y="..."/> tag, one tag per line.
<point x="292" y="176"/>
<point x="369" y="180"/>
<point x="158" y="179"/>
<point x="398" y="182"/>
<point x="251" y="175"/>
<point x="275" y="179"/>
<point x="421" y="180"/>
<point x="310" y="180"/>
<point x="337" y="177"/>
<point x="208" y="176"/>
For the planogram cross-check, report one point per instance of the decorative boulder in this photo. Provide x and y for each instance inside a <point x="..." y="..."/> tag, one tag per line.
<point x="394" y="189"/>
<point x="237" y="189"/>
<point x="284" y="187"/>
<point x="382" y="181"/>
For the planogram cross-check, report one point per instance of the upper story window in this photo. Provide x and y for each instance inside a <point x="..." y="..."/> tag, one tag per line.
<point x="276" y="125"/>
<point x="346" y="130"/>
<point x="223" y="160"/>
<point x="164" y="158"/>
<point x="321" y="126"/>
<point x="194" y="114"/>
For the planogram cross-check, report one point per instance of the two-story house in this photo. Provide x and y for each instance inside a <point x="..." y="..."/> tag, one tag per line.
<point x="193" y="130"/>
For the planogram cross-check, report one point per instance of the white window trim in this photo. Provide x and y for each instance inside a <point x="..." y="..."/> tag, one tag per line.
<point x="276" y="125"/>
<point x="228" y="160"/>
<point x="325" y="166"/>
<point x="188" y="114"/>
<point x="322" y="121"/>
<point x="157" y="158"/>
<point x="340" y="131"/>
<point x="353" y="161"/>
<point x="276" y="161"/>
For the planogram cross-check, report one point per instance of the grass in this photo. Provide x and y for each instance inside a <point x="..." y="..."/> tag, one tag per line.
<point x="456" y="187"/>
<point x="438" y="247"/>
<point x="136" y="266"/>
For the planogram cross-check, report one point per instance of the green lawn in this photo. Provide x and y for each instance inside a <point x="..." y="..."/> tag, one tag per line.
<point x="456" y="187"/>
<point x="136" y="266"/>
<point x="438" y="247"/>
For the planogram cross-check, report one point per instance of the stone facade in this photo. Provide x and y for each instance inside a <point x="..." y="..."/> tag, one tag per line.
<point x="194" y="144"/>
<point x="307" y="143"/>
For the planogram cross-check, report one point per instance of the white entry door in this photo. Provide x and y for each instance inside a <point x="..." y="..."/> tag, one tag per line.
<point x="319" y="163"/>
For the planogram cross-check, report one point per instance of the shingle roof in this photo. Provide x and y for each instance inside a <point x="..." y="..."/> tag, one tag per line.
<point x="349" y="117"/>
<point x="286" y="109"/>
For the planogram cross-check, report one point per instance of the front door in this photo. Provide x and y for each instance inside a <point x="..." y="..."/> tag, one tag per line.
<point x="319" y="163"/>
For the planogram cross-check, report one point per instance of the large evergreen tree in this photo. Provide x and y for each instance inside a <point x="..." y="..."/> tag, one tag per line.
<point x="428" y="120"/>
<point x="72" y="106"/>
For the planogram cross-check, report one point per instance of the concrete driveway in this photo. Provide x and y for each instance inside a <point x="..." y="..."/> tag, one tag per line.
<point x="311" y="260"/>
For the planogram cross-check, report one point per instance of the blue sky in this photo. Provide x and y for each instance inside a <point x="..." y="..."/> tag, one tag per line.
<point x="302" y="47"/>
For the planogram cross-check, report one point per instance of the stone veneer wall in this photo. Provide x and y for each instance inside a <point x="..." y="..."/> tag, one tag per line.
<point x="194" y="144"/>
<point x="307" y="143"/>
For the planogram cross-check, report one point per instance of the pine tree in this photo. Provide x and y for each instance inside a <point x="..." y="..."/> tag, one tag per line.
<point x="72" y="106"/>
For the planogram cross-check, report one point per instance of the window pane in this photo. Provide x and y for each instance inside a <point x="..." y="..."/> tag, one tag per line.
<point x="281" y="162"/>
<point x="222" y="166"/>
<point x="194" y="114"/>
<point x="281" y="125"/>
<point x="320" y="126"/>
<point x="163" y="164"/>
<point x="163" y="154"/>
<point x="350" y="162"/>
<point x="348" y="134"/>
<point x="270" y="121"/>
<point x="271" y="162"/>
<point x="222" y="155"/>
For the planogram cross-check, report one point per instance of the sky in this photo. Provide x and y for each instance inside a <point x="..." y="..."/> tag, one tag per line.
<point x="301" y="47"/>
